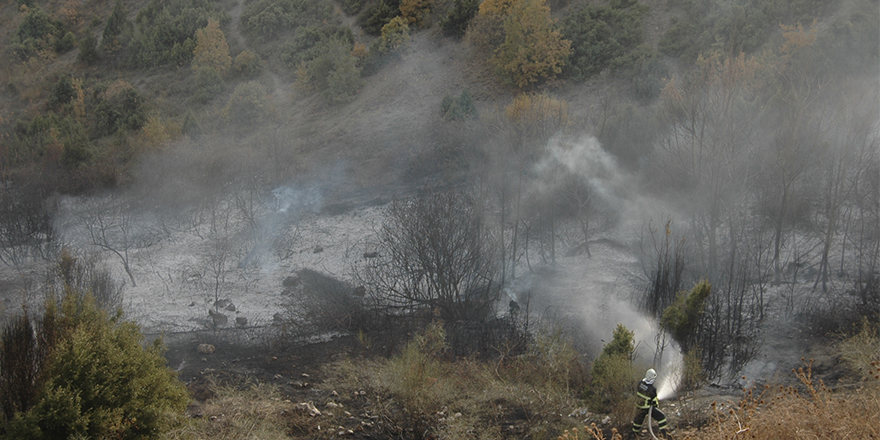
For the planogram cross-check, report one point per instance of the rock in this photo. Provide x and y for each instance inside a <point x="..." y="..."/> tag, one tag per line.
<point x="222" y="303"/>
<point x="360" y="291"/>
<point x="318" y="249"/>
<point x="230" y="307"/>
<point x="277" y="317"/>
<point x="309" y="408"/>
<point x="218" y="319"/>
<point x="241" y="320"/>
<point x="206" y="349"/>
<point x="371" y="254"/>
<point x="291" y="281"/>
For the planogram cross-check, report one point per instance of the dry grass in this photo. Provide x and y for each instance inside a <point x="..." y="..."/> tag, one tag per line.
<point x="861" y="351"/>
<point x="423" y="393"/>
<point x="256" y="411"/>
<point x="816" y="412"/>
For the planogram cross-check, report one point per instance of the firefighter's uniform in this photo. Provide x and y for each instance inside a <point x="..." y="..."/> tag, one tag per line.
<point x="647" y="398"/>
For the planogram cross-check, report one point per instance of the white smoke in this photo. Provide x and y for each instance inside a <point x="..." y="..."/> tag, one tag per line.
<point x="602" y="296"/>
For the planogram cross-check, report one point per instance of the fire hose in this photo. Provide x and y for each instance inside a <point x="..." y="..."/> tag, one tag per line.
<point x="650" y="420"/>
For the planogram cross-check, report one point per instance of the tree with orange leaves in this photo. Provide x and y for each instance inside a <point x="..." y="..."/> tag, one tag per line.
<point x="211" y="48"/>
<point x="533" y="49"/>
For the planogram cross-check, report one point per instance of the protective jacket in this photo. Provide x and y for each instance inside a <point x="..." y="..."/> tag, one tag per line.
<point x="647" y="394"/>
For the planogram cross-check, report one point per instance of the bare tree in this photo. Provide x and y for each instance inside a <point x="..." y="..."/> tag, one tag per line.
<point x="436" y="254"/>
<point x="709" y="120"/>
<point x="25" y="223"/>
<point x="845" y="162"/>
<point x="114" y="225"/>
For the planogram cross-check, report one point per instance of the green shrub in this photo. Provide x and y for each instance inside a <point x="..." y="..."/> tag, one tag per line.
<point x="682" y="317"/>
<point x="395" y="36"/>
<point x="419" y="379"/>
<point x="38" y="33"/>
<point x="76" y="150"/>
<point x="117" y="106"/>
<point x="307" y="43"/>
<point x="165" y="31"/>
<point x="707" y="26"/>
<point x="209" y="83"/>
<point x="334" y="72"/>
<point x="692" y="375"/>
<point x="266" y="19"/>
<point x="376" y="16"/>
<point x="62" y="92"/>
<point x="117" y="31"/>
<point x="247" y="64"/>
<point x="601" y="35"/>
<point x="457" y="109"/>
<point x="682" y="38"/>
<point x="100" y="382"/>
<point x="88" y="373"/>
<point x="88" y="50"/>
<point x="648" y="74"/>
<point x="352" y="7"/>
<point x="456" y="22"/>
<point x="247" y="105"/>
<point x="613" y="374"/>
<point x="67" y="42"/>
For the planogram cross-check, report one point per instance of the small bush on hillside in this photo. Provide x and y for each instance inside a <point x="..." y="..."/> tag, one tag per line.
<point x="395" y="36"/>
<point x="614" y="377"/>
<point x="248" y="105"/>
<point x="247" y="64"/>
<point x="460" y="108"/>
<point x="334" y="72"/>
<point x="377" y="15"/>
<point x="61" y="93"/>
<point x="209" y="84"/>
<point x="649" y="73"/>
<point x="88" y="50"/>
<point x="420" y="380"/>
<point x="415" y="11"/>
<point x="117" y="106"/>
<point x="456" y="22"/>
<point x="117" y="31"/>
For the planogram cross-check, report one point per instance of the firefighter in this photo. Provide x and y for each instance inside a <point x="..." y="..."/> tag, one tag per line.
<point x="647" y="402"/>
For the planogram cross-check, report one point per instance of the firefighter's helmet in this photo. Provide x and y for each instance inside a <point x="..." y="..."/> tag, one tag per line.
<point x="650" y="376"/>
